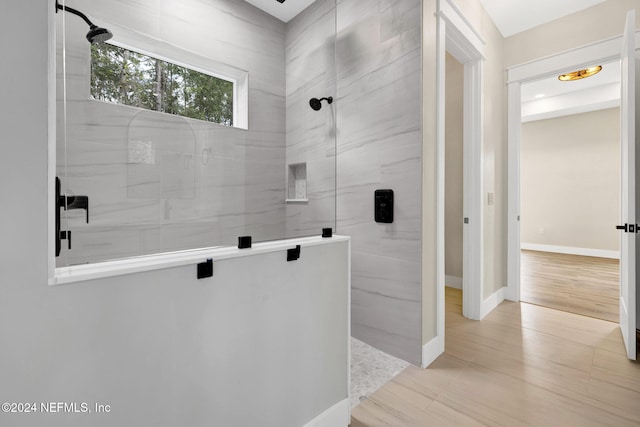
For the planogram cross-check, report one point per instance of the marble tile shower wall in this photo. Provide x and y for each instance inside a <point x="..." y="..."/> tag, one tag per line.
<point x="233" y="181"/>
<point x="378" y="59"/>
<point x="208" y="183"/>
<point x="377" y="89"/>
<point x="311" y="136"/>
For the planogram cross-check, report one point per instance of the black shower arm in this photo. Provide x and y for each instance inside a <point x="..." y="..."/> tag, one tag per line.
<point x="75" y="12"/>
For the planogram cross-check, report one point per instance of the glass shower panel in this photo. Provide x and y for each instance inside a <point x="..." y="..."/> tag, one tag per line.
<point x="61" y="219"/>
<point x="311" y="134"/>
<point x="134" y="133"/>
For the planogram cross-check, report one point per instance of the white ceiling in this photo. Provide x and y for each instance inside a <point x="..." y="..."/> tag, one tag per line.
<point x="511" y="16"/>
<point x="283" y="11"/>
<point x="514" y="16"/>
<point x="547" y="98"/>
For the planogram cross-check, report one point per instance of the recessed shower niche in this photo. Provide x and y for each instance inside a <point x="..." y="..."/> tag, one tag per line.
<point x="138" y="131"/>
<point x="297" y="179"/>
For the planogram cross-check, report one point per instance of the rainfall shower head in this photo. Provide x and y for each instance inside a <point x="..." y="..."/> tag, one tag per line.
<point x="96" y="34"/>
<point x="316" y="103"/>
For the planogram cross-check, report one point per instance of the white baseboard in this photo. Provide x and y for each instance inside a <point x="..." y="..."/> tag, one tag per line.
<point x="339" y="415"/>
<point x="510" y="293"/>
<point x="431" y="350"/>
<point x="492" y="302"/>
<point x="453" y="282"/>
<point x="600" y="253"/>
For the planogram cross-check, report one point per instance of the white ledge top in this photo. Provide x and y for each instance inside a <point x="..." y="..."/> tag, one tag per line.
<point x="79" y="273"/>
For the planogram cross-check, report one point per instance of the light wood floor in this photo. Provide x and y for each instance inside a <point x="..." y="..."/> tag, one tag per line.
<point x="522" y="365"/>
<point x="578" y="284"/>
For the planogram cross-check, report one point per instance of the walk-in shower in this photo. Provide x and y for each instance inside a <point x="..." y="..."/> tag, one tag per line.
<point x="183" y="133"/>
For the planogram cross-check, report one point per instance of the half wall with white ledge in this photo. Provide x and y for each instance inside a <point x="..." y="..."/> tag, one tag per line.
<point x="263" y="341"/>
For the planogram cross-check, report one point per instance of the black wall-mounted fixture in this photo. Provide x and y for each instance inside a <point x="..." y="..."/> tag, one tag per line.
<point x="293" y="254"/>
<point x="96" y="34"/>
<point x="244" y="242"/>
<point x="327" y="232"/>
<point x="65" y="202"/>
<point x="58" y="231"/>
<point x="316" y="103"/>
<point x="383" y="206"/>
<point x="629" y="228"/>
<point x="205" y="269"/>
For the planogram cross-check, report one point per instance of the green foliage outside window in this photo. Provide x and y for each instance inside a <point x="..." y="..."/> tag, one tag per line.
<point x="125" y="77"/>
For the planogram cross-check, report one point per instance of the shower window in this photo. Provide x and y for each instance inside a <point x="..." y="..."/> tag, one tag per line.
<point x="123" y="76"/>
<point x="159" y="168"/>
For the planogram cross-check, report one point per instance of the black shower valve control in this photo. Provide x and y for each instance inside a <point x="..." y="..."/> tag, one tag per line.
<point x="383" y="206"/>
<point x="75" y="202"/>
<point x="66" y="202"/>
<point x="629" y="228"/>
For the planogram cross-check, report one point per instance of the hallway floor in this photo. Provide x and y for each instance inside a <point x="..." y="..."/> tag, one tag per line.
<point x="578" y="284"/>
<point x="522" y="365"/>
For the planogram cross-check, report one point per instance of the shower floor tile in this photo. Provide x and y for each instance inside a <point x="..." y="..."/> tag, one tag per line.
<point x="370" y="370"/>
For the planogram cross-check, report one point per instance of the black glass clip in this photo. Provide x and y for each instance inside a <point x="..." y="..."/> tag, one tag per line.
<point x="327" y="232"/>
<point x="66" y="235"/>
<point x="244" y="242"/>
<point x="205" y="269"/>
<point x="293" y="254"/>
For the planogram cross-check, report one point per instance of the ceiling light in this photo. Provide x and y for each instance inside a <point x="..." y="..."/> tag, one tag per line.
<point x="581" y="74"/>
<point x="540" y="95"/>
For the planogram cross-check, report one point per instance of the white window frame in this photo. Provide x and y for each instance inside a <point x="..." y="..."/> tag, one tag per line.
<point x="235" y="77"/>
<point x="146" y="45"/>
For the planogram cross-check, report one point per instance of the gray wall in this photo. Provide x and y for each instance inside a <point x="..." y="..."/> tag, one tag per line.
<point x="605" y="20"/>
<point x="378" y="60"/>
<point x="233" y="180"/>
<point x="570" y="181"/>
<point x="311" y="135"/>
<point x="142" y="343"/>
<point x="453" y="193"/>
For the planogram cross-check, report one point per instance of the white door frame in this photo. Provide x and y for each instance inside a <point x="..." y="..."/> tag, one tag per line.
<point x="629" y="124"/>
<point x="456" y="35"/>
<point x="600" y="52"/>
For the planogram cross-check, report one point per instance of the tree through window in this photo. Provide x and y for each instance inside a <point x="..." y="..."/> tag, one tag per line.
<point x="126" y="77"/>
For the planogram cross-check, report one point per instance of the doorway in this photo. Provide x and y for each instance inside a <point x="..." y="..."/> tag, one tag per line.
<point x="455" y="35"/>
<point x="602" y="52"/>
<point x="458" y="39"/>
<point x="570" y="193"/>
<point x="454" y="176"/>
